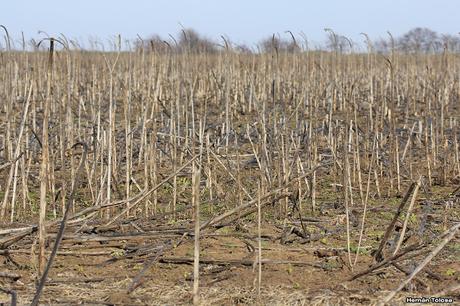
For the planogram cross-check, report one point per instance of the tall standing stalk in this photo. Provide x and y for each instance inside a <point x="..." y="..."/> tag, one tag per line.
<point x="111" y="137"/>
<point x="196" y="176"/>
<point x="45" y="164"/>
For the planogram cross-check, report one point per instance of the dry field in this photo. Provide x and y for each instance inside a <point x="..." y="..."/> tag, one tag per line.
<point x="306" y="178"/>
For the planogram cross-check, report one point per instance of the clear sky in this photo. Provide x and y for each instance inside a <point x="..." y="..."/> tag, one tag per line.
<point x="244" y="21"/>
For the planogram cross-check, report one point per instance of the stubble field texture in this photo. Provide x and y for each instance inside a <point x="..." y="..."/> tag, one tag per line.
<point x="220" y="178"/>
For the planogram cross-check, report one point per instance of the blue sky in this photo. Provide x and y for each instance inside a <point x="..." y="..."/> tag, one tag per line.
<point x="244" y="21"/>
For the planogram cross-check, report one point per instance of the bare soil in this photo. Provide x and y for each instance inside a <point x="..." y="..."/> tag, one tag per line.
<point x="97" y="266"/>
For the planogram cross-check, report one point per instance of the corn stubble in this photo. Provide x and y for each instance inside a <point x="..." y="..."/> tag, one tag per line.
<point x="303" y="124"/>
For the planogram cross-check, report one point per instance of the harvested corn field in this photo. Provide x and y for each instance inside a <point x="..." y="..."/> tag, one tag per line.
<point x="165" y="177"/>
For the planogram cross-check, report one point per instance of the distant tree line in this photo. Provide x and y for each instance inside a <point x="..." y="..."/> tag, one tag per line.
<point x="188" y="40"/>
<point x="419" y="40"/>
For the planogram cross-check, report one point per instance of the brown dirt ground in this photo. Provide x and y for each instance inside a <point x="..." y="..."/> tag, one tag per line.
<point x="91" y="280"/>
<point x="91" y="272"/>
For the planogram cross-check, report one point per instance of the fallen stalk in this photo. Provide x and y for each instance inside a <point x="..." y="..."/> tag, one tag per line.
<point x="75" y="185"/>
<point x="450" y="234"/>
